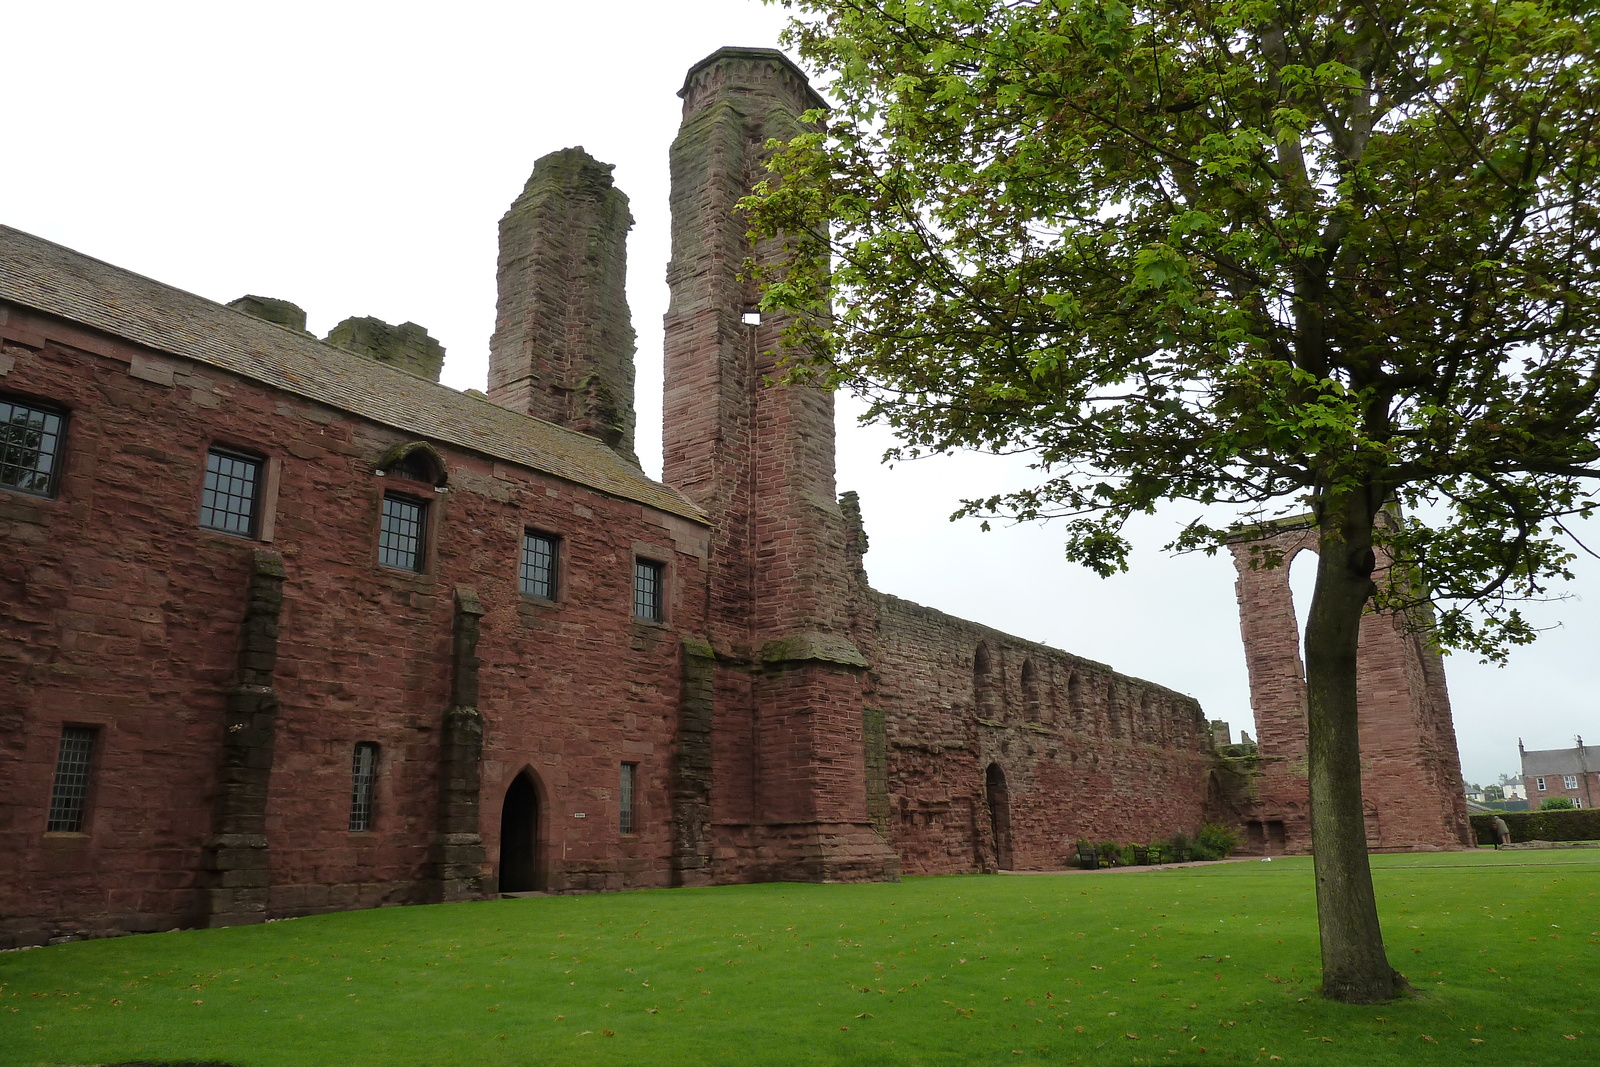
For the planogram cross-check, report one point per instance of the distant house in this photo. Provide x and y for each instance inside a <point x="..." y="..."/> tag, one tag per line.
<point x="1573" y="773"/>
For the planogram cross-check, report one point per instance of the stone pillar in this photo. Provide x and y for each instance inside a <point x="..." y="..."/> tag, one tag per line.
<point x="457" y="852"/>
<point x="1410" y="768"/>
<point x="759" y="458"/>
<point x="235" y="865"/>
<point x="563" y="341"/>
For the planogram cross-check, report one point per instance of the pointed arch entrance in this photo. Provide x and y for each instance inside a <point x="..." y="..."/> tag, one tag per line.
<point x="519" y="836"/>
<point x="999" y="815"/>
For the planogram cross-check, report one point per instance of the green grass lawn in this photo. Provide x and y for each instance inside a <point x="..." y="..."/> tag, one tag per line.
<point x="1208" y="964"/>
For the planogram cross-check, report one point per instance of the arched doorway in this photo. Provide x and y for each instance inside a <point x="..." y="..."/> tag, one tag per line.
<point x="519" y="836"/>
<point x="999" y="815"/>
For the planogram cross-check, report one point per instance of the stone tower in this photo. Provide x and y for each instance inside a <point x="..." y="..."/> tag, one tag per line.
<point x="563" y="342"/>
<point x="789" y="799"/>
<point x="1410" y="767"/>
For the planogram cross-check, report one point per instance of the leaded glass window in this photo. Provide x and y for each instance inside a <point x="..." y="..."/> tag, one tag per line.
<point x="400" y="533"/>
<point x="647" y="590"/>
<point x="30" y="446"/>
<point x="233" y="484"/>
<point x="625" y="819"/>
<point x="539" y="565"/>
<point x="70" y="794"/>
<point x="363" y="777"/>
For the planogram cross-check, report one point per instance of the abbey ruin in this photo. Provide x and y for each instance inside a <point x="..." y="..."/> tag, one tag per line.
<point x="288" y="626"/>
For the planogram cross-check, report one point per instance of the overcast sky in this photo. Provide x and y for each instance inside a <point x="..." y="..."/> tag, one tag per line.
<point x="355" y="158"/>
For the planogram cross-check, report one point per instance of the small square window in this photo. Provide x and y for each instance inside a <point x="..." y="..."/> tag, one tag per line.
<point x="69" y="795"/>
<point x="31" y="441"/>
<point x="400" y="540"/>
<point x="625" y="794"/>
<point x="233" y="486"/>
<point x="647" y="590"/>
<point x="539" y="565"/>
<point x="363" y="777"/>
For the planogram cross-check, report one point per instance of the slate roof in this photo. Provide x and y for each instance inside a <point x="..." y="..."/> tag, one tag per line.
<point x="48" y="277"/>
<point x="1549" y="761"/>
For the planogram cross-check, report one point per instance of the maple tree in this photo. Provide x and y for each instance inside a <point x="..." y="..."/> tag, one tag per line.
<point x="1258" y="255"/>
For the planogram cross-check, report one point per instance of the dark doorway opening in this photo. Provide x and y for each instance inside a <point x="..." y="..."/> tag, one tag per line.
<point x="519" y="837"/>
<point x="999" y="815"/>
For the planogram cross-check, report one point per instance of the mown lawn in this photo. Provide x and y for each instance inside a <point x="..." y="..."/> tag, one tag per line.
<point x="1208" y="964"/>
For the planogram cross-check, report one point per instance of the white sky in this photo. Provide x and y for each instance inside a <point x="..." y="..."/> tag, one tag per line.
<point x="355" y="158"/>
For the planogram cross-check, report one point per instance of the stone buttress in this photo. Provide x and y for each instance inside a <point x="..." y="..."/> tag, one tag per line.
<point x="789" y="792"/>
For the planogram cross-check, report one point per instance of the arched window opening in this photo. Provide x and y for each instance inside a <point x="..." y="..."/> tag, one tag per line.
<point x="1077" y="714"/>
<point x="417" y="461"/>
<point x="999" y="798"/>
<point x="984" y="696"/>
<point x="1030" y="692"/>
<point x="1302" y="585"/>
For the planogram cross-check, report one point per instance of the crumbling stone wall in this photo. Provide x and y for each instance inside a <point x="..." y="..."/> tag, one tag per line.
<point x="1411" y="772"/>
<point x="1085" y="752"/>
<point x="563" y="340"/>
<point x="406" y="347"/>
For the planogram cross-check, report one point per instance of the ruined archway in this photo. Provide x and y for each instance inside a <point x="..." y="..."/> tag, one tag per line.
<point x="518" y="867"/>
<point x="1408" y="749"/>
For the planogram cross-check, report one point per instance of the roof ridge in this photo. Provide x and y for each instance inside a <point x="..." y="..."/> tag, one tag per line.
<point x="58" y="280"/>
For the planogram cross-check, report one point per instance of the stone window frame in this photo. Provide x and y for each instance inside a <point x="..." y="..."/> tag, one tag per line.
<point x="70" y="798"/>
<point x="256" y="518"/>
<point x="398" y="466"/>
<point x="654" y="555"/>
<point x="418" y="553"/>
<point x="556" y="582"/>
<point x="58" y="454"/>
<point x="628" y="798"/>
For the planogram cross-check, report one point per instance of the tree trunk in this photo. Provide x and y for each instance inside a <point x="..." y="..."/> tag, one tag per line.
<point x="1355" y="968"/>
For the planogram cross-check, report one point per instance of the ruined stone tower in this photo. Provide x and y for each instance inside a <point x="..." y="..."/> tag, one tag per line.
<point x="1410" y="771"/>
<point x="786" y="732"/>
<point x="563" y="342"/>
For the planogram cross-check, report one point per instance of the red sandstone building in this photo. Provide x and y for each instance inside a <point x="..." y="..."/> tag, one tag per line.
<point x="288" y="626"/>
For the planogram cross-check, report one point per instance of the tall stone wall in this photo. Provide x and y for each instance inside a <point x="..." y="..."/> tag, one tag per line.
<point x="1083" y="751"/>
<point x="563" y="340"/>
<point x="1410" y="769"/>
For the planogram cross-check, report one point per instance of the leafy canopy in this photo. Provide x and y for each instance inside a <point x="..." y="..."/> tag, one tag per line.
<point x="1240" y="252"/>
